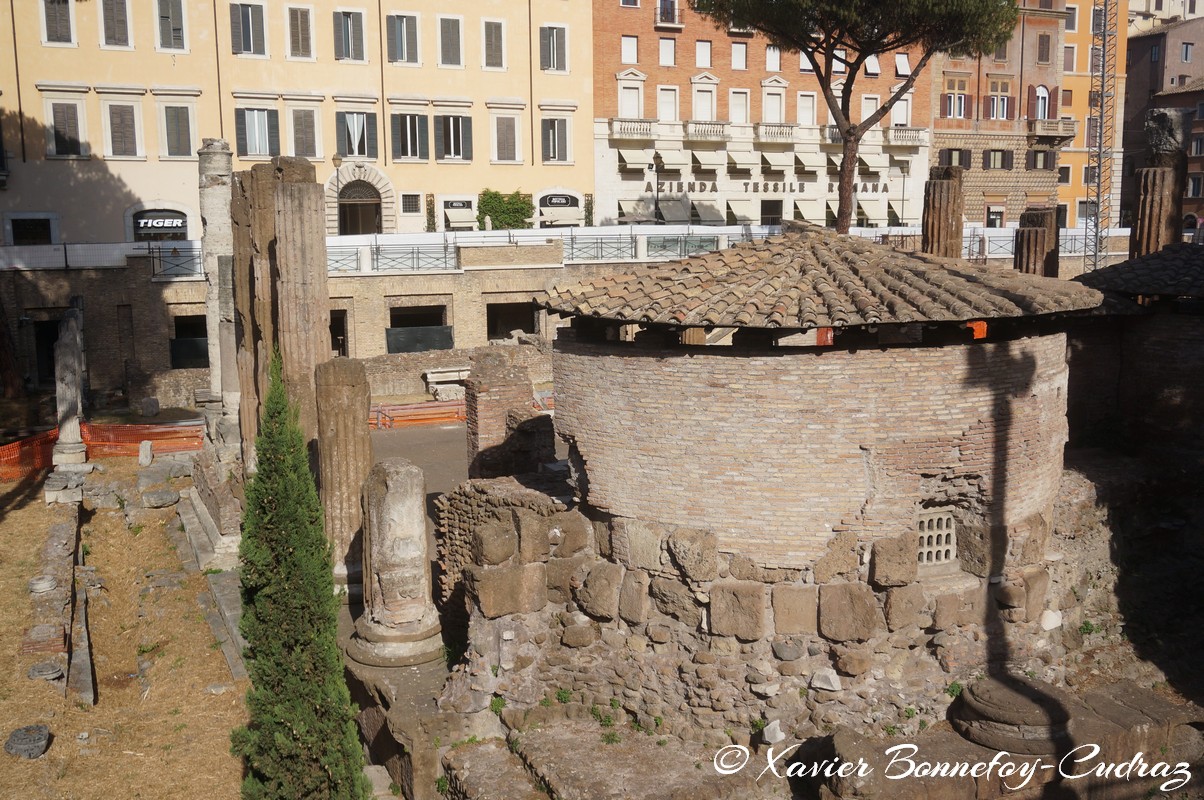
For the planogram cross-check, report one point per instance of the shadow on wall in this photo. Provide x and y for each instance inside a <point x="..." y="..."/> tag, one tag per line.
<point x="127" y="327"/>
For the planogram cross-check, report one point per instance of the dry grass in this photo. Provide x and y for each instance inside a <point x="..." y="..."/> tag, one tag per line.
<point x="158" y="736"/>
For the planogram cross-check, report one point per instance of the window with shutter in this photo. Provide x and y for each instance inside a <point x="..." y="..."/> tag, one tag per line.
<point x="357" y="134"/>
<point x="349" y="35"/>
<point x="123" y="139"/>
<point x="58" y="20"/>
<point x="298" y="33"/>
<point x="257" y="131"/>
<point x="403" y="38"/>
<point x="305" y="139"/>
<point x="449" y="42"/>
<point x="495" y="48"/>
<point x="171" y="24"/>
<point x="1043" y="45"/>
<point x="453" y="137"/>
<point x="116" y="23"/>
<point x="246" y="29"/>
<point x="408" y="132"/>
<point x="506" y="132"/>
<point x="553" y="48"/>
<point x="178" y="129"/>
<point x="66" y="139"/>
<point x="555" y="139"/>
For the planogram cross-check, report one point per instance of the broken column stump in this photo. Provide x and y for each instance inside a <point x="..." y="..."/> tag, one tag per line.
<point x="943" y="210"/>
<point x="400" y="625"/>
<point x="344" y="459"/>
<point x="492" y="389"/>
<point x="1159" y="211"/>
<point x="68" y="390"/>
<point x="1028" y="253"/>
<point x="1047" y="220"/>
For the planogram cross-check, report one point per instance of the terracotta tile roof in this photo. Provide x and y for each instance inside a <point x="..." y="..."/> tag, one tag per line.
<point x="816" y="278"/>
<point x="1177" y="270"/>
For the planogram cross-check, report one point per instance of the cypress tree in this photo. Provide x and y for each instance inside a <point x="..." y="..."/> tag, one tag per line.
<point x="301" y="739"/>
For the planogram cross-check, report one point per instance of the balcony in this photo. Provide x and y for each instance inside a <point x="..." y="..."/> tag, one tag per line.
<point x="774" y="131"/>
<point x="706" y="131"/>
<point x="631" y="128"/>
<point x="832" y="134"/>
<point x="1061" y="129"/>
<point x="667" y="14"/>
<point x="902" y="136"/>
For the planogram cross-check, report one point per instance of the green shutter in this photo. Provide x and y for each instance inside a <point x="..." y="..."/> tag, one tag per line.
<point x="236" y="28"/>
<point x="122" y="132"/>
<point x="392" y="35"/>
<point x="116" y="23"/>
<point x="440" y="127"/>
<point x="58" y="20"/>
<point x="179" y="135"/>
<point x="370" y="129"/>
<point x="410" y="56"/>
<point x="466" y="144"/>
<point x="257" y="45"/>
<point x="357" y="36"/>
<point x="240" y="131"/>
<point x="273" y="132"/>
<point x="339" y="51"/>
<point x="342" y="142"/>
<point x="423" y="149"/>
<point x="545" y="48"/>
<point x="395" y="136"/>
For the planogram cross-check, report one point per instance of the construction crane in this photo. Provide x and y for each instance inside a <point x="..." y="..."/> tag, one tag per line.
<point x="1101" y="136"/>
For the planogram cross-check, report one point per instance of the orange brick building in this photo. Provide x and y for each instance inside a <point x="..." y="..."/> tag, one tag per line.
<point x="698" y="123"/>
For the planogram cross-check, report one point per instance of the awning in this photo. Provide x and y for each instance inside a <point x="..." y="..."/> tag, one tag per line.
<point x="742" y="210"/>
<point x="902" y="65"/>
<point x="634" y="159"/>
<point x="673" y="160"/>
<point x="675" y="210"/>
<point x="636" y="211"/>
<point x="834" y="206"/>
<point x="461" y="218"/>
<point x="834" y="162"/>
<point x="779" y="162"/>
<point x="710" y="159"/>
<point x="742" y="159"/>
<point x="811" y="210"/>
<point x="811" y="162"/>
<point x="874" y="162"/>
<point x="709" y="213"/>
<point x="562" y="215"/>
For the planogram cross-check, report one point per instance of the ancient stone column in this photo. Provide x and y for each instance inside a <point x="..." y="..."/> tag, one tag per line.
<point x="1046" y="219"/>
<point x="1028" y="253"/>
<point x="216" y="179"/>
<point x="1159" y="211"/>
<point x="68" y="390"/>
<point x="493" y="387"/>
<point x="344" y="459"/>
<point x="943" y="210"/>
<point x="399" y="625"/>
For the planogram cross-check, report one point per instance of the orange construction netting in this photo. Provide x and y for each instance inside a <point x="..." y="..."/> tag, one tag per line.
<point x="34" y="453"/>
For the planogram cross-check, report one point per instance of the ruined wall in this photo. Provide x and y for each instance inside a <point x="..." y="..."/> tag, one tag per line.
<point x="1162" y="380"/>
<point x="777" y="452"/>
<point x="400" y="374"/>
<point x="1093" y="392"/>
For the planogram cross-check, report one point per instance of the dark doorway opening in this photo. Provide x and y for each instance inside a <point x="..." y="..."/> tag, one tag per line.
<point x="338" y="332"/>
<point x="359" y="209"/>
<point x="502" y="318"/>
<point x="45" y="335"/>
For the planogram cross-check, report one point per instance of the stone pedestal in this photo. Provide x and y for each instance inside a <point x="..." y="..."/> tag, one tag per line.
<point x="1047" y="220"/>
<point x="400" y="625"/>
<point x="344" y="459"/>
<point x="1159" y="211"/>
<point x="943" y="210"/>
<point x="1028" y="254"/>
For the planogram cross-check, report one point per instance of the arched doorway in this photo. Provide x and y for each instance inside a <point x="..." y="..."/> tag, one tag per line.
<point x="359" y="209"/>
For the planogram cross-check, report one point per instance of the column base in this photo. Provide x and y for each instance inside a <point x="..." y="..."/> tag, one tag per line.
<point x="377" y="646"/>
<point x="69" y="453"/>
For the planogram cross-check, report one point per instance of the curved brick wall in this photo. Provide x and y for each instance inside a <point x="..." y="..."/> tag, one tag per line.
<point x="776" y="452"/>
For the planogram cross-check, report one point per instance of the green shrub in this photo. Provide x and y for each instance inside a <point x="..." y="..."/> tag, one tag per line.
<point x="506" y="211"/>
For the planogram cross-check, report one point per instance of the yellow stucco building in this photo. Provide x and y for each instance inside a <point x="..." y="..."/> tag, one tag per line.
<point x="407" y="110"/>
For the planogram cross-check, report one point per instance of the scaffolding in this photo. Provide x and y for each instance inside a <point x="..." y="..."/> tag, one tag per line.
<point x="1101" y="128"/>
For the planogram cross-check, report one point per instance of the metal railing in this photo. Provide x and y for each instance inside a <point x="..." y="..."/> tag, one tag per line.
<point x="414" y="259"/>
<point x="342" y="259"/>
<point x="667" y="12"/>
<point x="681" y="246"/>
<point x="599" y="248"/>
<point x="176" y="262"/>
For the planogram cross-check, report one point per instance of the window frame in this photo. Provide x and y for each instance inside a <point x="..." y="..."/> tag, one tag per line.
<point x="495" y="154"/>
<point x="416" y="61"/>
<point x="772" y="65"/>
<point x="129" y="27"/>
<point x="439" y="40"/>
<point x="81" y="120"/>
<point x="732" y="94"/>
<point x="485" y="22"/>
<point x="665" y="90"/>
<point x="666" y="52"/>
<point x="73" y="38"/>
<point x="552" y="66"/>
<point x="314" y="110"/>
<point x="559" y="158"/>
<point x="742" y="48"/>
<point x="1185" y="51"/>
<point x="632" y="40"/>
<point x="710" y="53"/>
<point x="288" y="31"/>
<point x="164" y="139"/>
<point x="159" y="46"/>
<point x="416" y="143"/>
<point x="1044" y="40"/>
<point x="267" y="122"/>
<point x="346" y="31"/>
<point x="370" y="134"/>
<point x="243" y="27"/>
<point x="106" y="125"/>
<point x="798" y="108"/>
<point x="458" y="137"/>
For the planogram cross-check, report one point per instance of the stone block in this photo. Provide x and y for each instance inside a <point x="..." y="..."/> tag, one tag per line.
<point x="146" y="453"/>
<point x="840" y="559"/>
<point x="903" y="606"/>
<point x="1009" y="595"/>
<point x="948" y="612"/>
<point x="534" y="532"/>
<point x="1050" y="620"/>
<point x="576" y="532"/>
<point x="160" y="498"/>
<point x="579" y="636"/>
<point x="738" y="609"/>
<point x="795" y="609"/>
<point x="696" y="553"/>
<point x="1036" y="587"/>
<point x="516" y="589"/>
<point x="493" y="543"/>
<point x="826" y="679"/>
<point x="599" y="595"/>
<point x="893" y="561"/>
<point x="853" y="661"/>
<point x="634" y="602"/>
<point x="150" y="407"/>
<point x="673" y="599"/>
<point x="848" y="612"/>
<point x="560" y="572"/>
<point x="636" y="544"/>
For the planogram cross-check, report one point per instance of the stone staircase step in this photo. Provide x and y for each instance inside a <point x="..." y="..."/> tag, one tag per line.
<point x="488" y="771"/>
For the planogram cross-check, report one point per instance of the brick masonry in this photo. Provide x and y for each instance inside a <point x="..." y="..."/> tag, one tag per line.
<point x="778" y="452"/>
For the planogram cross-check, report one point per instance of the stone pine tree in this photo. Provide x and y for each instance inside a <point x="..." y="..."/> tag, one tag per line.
<point x="838" y="36"/>
<point x="301" y="739"/>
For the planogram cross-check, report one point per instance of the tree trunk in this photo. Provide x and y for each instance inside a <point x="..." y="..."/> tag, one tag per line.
<point x="848" y="177"/>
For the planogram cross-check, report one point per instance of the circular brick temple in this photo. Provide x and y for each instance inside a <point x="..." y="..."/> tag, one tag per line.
<point x="780" y="393"/>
